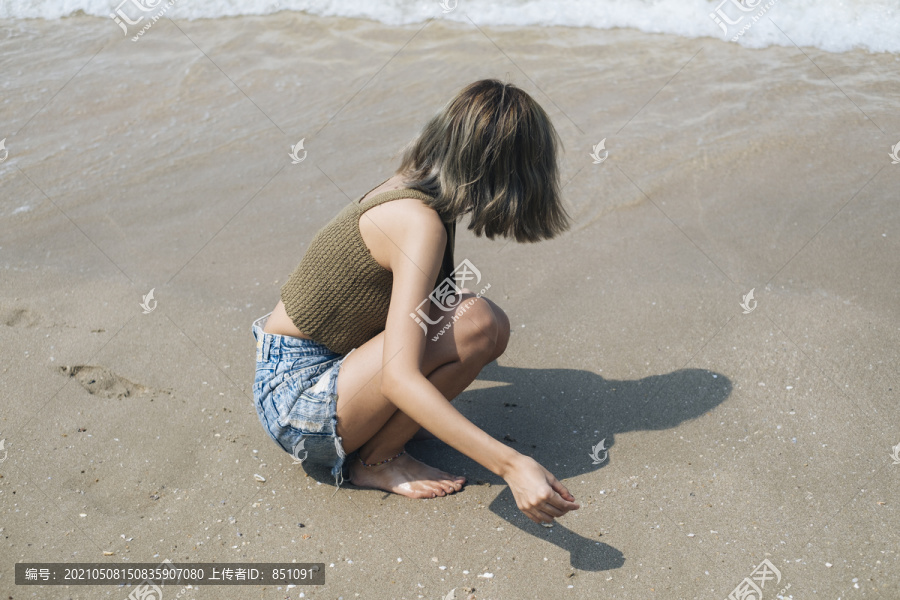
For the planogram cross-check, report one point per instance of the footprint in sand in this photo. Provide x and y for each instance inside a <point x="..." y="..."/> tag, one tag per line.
<point x="100" y="381"/>
<point x="19" y="317"/>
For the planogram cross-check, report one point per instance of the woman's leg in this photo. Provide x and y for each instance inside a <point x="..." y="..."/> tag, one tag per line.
<point x="369" y="422"/>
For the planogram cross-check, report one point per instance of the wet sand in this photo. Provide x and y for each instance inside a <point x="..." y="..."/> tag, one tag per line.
<point x="733" y="435"/>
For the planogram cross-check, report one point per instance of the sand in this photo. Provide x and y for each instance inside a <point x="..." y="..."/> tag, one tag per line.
<point x="733" y="437"/>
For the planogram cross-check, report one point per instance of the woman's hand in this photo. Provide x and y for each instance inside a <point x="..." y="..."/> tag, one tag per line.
<point x="537" y="492"/>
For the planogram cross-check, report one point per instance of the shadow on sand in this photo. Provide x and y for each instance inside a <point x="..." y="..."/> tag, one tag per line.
<point x="557" y="416"/>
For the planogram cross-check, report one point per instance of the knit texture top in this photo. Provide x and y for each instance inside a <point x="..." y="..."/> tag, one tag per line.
<point x="339" y="295"/>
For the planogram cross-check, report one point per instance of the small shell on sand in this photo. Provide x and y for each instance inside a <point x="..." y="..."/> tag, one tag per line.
<point x="258" y="477"/>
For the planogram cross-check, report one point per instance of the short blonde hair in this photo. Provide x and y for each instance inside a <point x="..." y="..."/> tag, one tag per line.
<point x="491" y="152"/>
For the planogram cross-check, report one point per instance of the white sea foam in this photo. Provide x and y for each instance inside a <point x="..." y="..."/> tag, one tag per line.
<point x="832" y="25"/>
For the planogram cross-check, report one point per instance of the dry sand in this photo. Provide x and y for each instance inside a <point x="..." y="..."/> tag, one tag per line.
<point x="733" y="438"/>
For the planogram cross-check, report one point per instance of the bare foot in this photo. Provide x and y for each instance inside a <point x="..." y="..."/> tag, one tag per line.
<point x="405" y="476"/>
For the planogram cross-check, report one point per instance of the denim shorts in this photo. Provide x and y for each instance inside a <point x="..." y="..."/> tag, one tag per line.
<point x="295" y="393"/>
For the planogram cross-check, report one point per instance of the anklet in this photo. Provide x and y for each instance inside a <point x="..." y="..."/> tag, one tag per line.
<point x="387" y="460"/>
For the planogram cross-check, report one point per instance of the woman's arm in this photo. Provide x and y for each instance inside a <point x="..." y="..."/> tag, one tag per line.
<point x="417" y="247"/>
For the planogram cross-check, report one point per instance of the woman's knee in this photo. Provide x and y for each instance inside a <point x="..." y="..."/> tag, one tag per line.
<point x="503" y="328"/>
<point x="488" y="331"/>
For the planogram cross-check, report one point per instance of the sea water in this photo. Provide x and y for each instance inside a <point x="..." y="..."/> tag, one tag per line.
<point x="832" y="25"/>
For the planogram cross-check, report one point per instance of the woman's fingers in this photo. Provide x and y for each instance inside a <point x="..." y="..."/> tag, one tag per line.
<point x="548" y="510"/>
<point x="538" y="493"/>
<point x="563" y="504"/>
<point x="545" y="514"/>
<point x="560" y="497"/>
<point x="560" y="489"/>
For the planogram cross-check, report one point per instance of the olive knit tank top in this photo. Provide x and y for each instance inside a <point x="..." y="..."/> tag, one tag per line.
<point x="339" y="295"/>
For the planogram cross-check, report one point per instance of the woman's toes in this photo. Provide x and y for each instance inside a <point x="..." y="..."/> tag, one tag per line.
<point x="430" y="491"/>
<point x="454" y="483"/>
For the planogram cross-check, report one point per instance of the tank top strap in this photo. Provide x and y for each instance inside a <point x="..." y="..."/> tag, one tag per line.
<point x="370" y="191"/>
<point x="389" y="195"/>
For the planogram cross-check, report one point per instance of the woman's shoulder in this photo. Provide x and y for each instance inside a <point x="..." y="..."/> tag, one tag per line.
<point x="405" y="223"/>
<point x="407" y="211"/>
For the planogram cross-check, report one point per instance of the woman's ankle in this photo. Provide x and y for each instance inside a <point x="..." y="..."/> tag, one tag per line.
<point x="371" y="457"/>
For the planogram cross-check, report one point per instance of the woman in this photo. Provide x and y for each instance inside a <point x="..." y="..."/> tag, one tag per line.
<point x="346" y="365"/>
